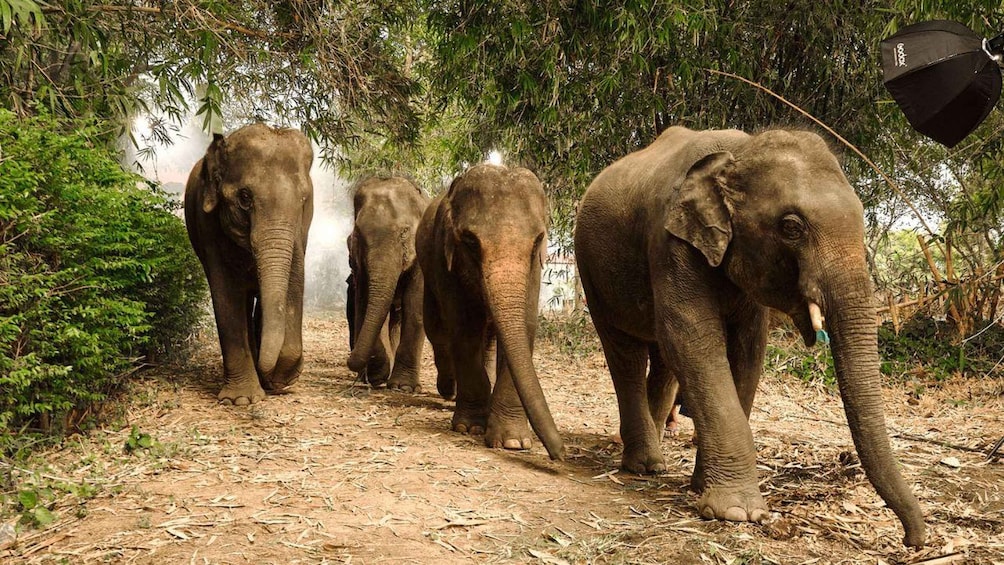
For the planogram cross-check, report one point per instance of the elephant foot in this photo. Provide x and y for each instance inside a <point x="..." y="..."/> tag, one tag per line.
<point x="241" y="394"/>
<point x="742" y="504"/>
<point x="643" y="461"/>
<point x="404" y="383"/>
<point x="282" y="377"/>
<point x="375" y="381"/>
<point x="469" y="423"/>
<point x="508" y="434"/>
<point x="404" y="387"/>
<point x="377" y="373"/>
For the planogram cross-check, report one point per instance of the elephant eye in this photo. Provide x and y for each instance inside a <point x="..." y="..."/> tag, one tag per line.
<point x="792" y="227"/>
<point x="244" y="198"/>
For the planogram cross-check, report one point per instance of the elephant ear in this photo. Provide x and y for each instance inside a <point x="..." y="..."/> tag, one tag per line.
<point x="450" y="234"/>
<point x="408" y="246"/>
<point x="212" y="168"/>
<point x="350" y="244"/>
<point x="697" y="211"/>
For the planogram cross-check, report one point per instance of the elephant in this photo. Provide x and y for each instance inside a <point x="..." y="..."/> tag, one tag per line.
<point x="481" y="246"/>
<point x="682" y="248"/>
<point x="386" y="287"/>
<point x="248" y="207"/>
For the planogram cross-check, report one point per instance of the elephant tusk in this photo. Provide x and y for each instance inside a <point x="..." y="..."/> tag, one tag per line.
<point x="816" y="316"/>
<point x="817" y="319"/>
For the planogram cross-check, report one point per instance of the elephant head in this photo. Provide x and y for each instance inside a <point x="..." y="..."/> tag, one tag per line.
<point x="259" y="188"/>
<point x="780" y="218"/>
<point x="495" y="224"/>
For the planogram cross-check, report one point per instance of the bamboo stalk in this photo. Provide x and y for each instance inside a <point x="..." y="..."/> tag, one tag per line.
<point x="894" y="313"/>
<point x="953" y="312"/>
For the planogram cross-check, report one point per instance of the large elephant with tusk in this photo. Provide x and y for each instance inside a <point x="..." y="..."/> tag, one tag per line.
<point x="248" y="206"/>
<point x="682" y="248"/>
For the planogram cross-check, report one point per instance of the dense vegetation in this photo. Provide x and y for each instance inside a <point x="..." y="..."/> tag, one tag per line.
<point x="96" y="273"/>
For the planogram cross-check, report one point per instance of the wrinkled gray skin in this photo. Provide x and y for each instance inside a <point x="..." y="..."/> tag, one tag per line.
<point x="481" y="247"/>
<point x="248" y="206"/>
<point x="682" y="248"/>
<point x="386" y="286"/>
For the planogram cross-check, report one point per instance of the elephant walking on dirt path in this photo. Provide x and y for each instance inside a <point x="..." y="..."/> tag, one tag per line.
<point x="385" y="287"/>
<point x="682" y="247"/>
<point x="481" y="246"/>
<point x="248" y="206"/>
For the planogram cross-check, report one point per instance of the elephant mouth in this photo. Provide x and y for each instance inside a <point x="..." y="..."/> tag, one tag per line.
<point x="804" y="322"/>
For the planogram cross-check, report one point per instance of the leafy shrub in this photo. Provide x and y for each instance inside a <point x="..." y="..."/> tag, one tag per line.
<point x="788" y="354"/>
<point x="95" y="272"/>
<point x="572" y="332"/>
<point x="928" y="349"/>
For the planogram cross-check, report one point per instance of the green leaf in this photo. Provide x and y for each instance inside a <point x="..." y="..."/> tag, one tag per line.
<point x="28" y="499"/>
<point x="42" y="516"/>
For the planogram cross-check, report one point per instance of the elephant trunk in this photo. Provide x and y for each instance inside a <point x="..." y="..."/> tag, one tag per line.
<point x="851" y="319"/>
<point x="273" y="251"/>
<point x="506" y="290"/>
<point x="379" y="288"/>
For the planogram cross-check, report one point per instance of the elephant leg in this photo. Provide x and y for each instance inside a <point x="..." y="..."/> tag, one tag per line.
<point x="408" y="357"/>
<point x="627" y="359"/>
<point x="507" y="424"/>
<point x="725" y="473"/>
<point x="673" y="420"/>
<point x="747" y="346"/>
<point x="394" y="328"/>
<point x="231" y="309"/>
<point x="473" y="386"/>
<point x="435" y="330"/>
<point x="661" y="388"/>
<point x="378" y="367"/>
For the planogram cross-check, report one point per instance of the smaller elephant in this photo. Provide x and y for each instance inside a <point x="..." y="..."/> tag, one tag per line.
<point x="481" y="246"/>
<point x="385" y="287"/>
<point x="248" y="206"/>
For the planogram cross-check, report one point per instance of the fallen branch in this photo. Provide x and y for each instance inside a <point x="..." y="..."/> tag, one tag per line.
<point x="912" y="437"/>
<point x="997" y="447"/>
<point x="942" y="560"/>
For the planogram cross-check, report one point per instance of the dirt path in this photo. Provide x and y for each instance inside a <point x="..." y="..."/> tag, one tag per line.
<point x="335" y="473"/>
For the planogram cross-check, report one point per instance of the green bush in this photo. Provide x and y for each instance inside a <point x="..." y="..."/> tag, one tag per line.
<point x="95" y="272"/>
<point x="571" y="332"/>
<point x="930" y="350"/>
<point x="788" y="354"/>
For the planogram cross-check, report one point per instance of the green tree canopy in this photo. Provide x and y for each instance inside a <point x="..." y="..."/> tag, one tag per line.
<point x="331" y="68"/>
<point x="563" y="86"/>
